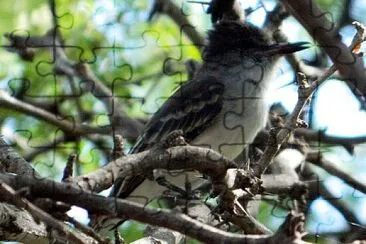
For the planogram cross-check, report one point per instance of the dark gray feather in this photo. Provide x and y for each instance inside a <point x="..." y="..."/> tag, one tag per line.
<point x="191" y="113"/>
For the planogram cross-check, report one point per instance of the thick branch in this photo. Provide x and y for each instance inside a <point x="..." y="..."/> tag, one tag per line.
<point x="12" y="162"/>
<point x="16" y="225"/>
<point x="281" y="184"/>
<point x="160" y="217"/>
<point x="9" y="195"/>
<point x="204" y="160"/>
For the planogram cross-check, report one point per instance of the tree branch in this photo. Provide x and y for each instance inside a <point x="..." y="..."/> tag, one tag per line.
<point x="120" y="121"/>
<point x="12" y="162"/>
<point x="323" y="31"/>
<point x="288" y="232"/>
<point x="29" y="156"/>
<point x="176" y="14"/>
<point x="317" y="159"/>
<point x="319" y="136"/>
<point x="206" y="161"/>
<point x="65" y="125"/>
<point x="12" y="197"/>
<point x="17" y="225"/>
<point x="305" y="91"/>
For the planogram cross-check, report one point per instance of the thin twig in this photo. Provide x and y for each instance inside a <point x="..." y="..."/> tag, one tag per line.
<point x="69" y="168"/>
<point x="117" y="151"/>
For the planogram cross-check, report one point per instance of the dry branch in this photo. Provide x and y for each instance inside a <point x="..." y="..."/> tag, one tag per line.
<point x="290" y="231"/>
<point x="9" y="195"/>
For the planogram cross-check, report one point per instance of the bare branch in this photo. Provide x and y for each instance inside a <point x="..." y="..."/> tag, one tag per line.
<point x="20" y="226"/>
<point x="317" y="159"/>
<point x="317" y="189"/>
<point x="117" y="151"/>
<point x="290" y="231"/>
<point x="305" y="91"/>
<point x="87" y="230"/>
<point x="320" y="137"/>
<point x="69" y="168"/>
<point x="175" y="13"/>
<point x="65" y="125"/>
<point x="119" y="119"/>
<point x="29" y="156"/>
<point x="12" y="162"/>
<point x="206" y="161"/>
<point x="11" y="196"/>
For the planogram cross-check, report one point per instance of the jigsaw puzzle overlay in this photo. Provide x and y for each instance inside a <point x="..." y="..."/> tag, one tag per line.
<point x="76" y="74"/>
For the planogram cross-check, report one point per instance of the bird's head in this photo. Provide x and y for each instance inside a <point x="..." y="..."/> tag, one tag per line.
<point x="245" y="40"/>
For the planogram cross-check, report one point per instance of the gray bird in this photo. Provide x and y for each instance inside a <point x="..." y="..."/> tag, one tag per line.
<point x="223" y="107"/>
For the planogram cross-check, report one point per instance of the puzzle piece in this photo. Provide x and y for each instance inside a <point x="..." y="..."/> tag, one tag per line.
<point x="141" y="65"/>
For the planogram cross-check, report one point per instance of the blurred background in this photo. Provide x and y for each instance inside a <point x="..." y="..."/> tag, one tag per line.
<point x="141" y="57"/>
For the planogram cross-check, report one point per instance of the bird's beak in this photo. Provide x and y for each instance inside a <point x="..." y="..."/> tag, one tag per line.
<point x="286" y="48"/>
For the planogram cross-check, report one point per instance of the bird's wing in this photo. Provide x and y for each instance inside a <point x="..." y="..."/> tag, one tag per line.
<point x="191" y="109"/>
